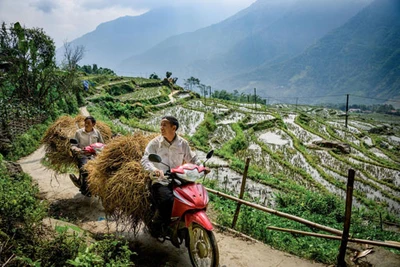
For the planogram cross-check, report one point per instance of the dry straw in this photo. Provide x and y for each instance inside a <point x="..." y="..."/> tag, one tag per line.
<point x="117" y="177"/>
<point x="56" y="141"/>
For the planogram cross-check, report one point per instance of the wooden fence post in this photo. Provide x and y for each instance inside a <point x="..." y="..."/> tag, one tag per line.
<point x="345" y="236"/>
<point x="235" y="217"/>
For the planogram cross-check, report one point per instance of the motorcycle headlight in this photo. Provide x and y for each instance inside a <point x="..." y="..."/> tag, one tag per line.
<point x="190" y="175"/>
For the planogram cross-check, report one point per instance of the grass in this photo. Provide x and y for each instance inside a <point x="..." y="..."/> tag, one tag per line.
<point x="141" y="94"/>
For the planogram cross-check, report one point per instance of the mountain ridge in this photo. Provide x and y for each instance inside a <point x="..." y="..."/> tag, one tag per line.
<point x="265" y="31"/>
<point x="115" y="40"/>
<point x="361" y="57"/>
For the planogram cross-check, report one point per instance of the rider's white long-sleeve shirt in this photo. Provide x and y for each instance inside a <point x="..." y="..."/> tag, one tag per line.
<point x="172" y="154"/>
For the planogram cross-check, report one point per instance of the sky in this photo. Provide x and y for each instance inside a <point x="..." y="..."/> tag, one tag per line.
<point x="66" y="20"/>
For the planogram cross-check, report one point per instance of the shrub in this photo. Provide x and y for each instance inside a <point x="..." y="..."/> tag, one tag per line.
<point x="107" y="252"/>
<point x="20" y="209"/>
<point x="27" y="143"/>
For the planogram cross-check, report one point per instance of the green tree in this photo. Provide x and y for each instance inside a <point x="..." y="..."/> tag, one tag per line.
<point x="154" y="76"/>
<point x="203" y="90"/>
<point x="189" y="83"/>
<point x="30" y="57"/>
<point x="95" y="68"/>
<point x="87" y="69"/>
<point x="30" y="82"/>
<point x="168" y="74"/>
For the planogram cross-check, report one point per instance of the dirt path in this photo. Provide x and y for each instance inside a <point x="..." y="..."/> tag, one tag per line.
<point x="171" y="99"/>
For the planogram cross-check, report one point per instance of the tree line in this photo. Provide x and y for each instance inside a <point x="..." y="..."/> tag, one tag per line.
<point x="206" y="90"/>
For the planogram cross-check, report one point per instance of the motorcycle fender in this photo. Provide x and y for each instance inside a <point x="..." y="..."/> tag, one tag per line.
<point x="199" y="217"/>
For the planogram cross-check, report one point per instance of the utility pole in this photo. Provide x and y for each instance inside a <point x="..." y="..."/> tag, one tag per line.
<point x="255" y="98"/>
<point x="347" y="111"/>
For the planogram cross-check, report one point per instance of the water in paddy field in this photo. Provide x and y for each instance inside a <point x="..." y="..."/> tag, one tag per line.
<point x="189" y="119"/>
<point x="221" y="135"/>
<point x="231" y="181"/>
<point x="232" y="118"/>
<point x="274" y="138"/>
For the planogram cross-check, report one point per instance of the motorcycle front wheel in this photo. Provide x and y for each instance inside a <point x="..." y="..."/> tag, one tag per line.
<point x="203" y="249"/>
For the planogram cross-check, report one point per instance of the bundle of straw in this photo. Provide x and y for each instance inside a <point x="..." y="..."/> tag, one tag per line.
<point x="57" y="145"/>
<point x="120" y="151"/>
<point x="117" y="177"/>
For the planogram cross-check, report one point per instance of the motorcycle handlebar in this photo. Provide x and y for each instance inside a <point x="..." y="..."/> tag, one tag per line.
<point x="82" y="151"/>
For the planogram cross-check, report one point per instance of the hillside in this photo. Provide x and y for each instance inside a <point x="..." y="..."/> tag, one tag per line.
<point x="362" y="58"/>
<point x="265" y="32"/>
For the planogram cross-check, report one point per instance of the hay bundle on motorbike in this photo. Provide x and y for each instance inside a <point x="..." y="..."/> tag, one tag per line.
<point x="57" y="144"/>
<point x="117" y="177"/>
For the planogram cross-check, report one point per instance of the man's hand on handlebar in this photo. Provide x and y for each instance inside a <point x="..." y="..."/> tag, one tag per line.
<point x="207" y="170"/>
<point x="75" y="149"/>
<point x="159" y="174"/>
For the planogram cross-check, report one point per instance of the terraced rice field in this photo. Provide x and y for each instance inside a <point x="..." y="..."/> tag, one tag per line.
<point x="287" y="154"/>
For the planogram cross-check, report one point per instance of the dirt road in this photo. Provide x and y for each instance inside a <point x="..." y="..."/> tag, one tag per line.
<point x="89" y="213"/>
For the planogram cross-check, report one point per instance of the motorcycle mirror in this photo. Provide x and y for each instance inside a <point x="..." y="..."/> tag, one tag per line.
<point x="73" y="141"/>
<point x="155" y="158"/>
<point x="210" y="154"/>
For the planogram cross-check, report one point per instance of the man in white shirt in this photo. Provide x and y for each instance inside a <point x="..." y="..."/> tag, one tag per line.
<point x="85" y="137"/>
<point x="173" y="150"/>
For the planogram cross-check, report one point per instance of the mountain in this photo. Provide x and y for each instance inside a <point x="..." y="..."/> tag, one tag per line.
<point x="121" y="38"/>
<point x="267" y="31"/>
<point x="362" y="57"/>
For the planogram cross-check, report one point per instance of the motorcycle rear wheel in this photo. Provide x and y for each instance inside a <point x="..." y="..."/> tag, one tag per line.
<point x="203" y="248"/>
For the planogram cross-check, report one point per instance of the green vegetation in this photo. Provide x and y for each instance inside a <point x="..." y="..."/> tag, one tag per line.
<point x="94" y="69"/>
<point x="148" y="95"/>
<point x="235" y="96"/>
<point x="205" y="129"/>
<point x="24" y="243"/>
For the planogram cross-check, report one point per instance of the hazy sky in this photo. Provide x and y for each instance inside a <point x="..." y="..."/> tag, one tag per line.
<point x="65" y="20"/>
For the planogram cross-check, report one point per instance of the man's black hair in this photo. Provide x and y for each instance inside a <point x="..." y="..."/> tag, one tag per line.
<point x="91" y="118"/>
<point x="172" y="120"/>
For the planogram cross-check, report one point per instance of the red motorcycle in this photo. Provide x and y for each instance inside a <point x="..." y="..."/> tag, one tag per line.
<point x="189" y="221"/>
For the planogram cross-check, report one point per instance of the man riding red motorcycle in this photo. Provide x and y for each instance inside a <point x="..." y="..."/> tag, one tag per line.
<point x="175" y="194"/>
<point x="173" y="150"/>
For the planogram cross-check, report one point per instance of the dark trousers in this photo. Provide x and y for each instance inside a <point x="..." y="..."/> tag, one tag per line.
<point x="164" y="200"/>
<point x="82" y="160"/>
